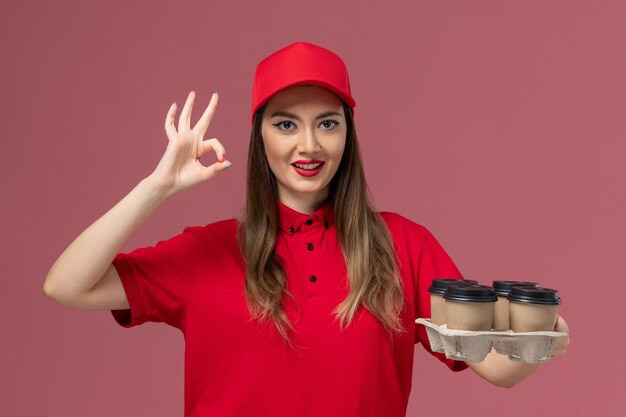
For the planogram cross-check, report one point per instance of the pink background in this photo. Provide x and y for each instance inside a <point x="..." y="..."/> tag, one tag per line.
<point x="499" y="125"/>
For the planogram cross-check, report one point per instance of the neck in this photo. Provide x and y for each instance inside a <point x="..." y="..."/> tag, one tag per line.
<point x="304" y="204"/>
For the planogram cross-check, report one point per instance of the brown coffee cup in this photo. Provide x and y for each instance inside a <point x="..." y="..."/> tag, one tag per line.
<point x="469" y="307"/>
<point x="501" y="308"/>
<point x="533" y="309"/>
<point x="437" y="303"/>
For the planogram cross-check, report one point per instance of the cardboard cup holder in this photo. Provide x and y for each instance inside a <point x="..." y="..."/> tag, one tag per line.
<point x="470" y="346"/>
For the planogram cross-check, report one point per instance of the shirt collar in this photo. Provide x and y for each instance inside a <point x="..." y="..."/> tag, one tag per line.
<point x="290" y="220"/>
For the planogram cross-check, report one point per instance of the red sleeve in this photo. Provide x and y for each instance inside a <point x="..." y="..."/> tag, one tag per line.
<point x="158" y="280"/>
<point x="434" y="262"/>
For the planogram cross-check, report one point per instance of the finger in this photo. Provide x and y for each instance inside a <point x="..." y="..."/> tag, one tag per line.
<point x="185" y="115"/>
<point x="206" y="146"/>
<point x="211" y="145"/>
<point x="560" y="349"/>
<point x="215" y="169"/>
<point x="562" y="343"/>
<point x="170" y="129"/>
<point x="561" y="325"/>
<point x="207" y="116"/>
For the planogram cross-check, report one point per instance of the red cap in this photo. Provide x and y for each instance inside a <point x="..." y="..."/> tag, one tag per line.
<point x="297" y="64"/>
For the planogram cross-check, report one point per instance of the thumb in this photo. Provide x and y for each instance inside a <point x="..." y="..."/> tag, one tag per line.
<point x="215" y="169"/>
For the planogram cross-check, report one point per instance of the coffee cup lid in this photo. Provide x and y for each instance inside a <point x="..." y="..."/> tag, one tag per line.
<point x="439" y="285"/>
<point x="471" y="292"/>
<point x="534" y="295"/>
<point x="503" y="288"/>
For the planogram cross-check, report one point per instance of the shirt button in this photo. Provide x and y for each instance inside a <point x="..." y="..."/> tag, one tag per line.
<point x="326" y="224"/>
<point x="309" y="246"/>
<point x="309" y="222"/>
<point x="291" y="229"/>
<point x="313" y="278"/>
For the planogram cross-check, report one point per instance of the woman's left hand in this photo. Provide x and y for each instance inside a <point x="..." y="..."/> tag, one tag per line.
<point x="563" y="342"/>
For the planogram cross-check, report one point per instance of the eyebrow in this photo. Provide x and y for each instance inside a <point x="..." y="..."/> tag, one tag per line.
<point x="293" y="116"/>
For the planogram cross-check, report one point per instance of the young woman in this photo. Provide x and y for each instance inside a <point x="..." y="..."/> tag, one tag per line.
<point x="306" y="305"/>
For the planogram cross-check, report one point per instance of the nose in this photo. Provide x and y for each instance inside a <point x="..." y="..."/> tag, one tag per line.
<point x="308" y="142"/>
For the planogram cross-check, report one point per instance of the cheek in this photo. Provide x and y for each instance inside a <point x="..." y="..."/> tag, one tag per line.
<point x="338" y="150"/>
<point x="272" y="153"/>
<point x="267" y="145"/>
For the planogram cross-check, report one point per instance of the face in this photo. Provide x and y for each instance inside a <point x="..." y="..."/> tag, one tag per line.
<point x="304" y="134"/>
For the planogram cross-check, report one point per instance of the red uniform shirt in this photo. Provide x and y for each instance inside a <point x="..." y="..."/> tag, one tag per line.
<point x="235" y="366"/>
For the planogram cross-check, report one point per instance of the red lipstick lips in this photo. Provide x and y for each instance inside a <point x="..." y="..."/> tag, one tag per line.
<point x="307" y="161"/>
<point x="308" y="172"/>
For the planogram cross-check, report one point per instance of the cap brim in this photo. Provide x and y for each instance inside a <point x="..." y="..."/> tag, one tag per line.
<point x="344" y="97"/>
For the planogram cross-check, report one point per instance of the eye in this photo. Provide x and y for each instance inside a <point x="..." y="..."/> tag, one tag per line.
<point x="329" y="124"/>
<point x="284" y="125"/>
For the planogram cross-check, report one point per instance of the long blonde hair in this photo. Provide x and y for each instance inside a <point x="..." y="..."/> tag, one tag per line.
<point x="373" y="272"/>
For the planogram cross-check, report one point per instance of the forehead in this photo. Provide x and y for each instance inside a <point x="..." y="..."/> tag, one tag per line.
<point x="301" y="96"/>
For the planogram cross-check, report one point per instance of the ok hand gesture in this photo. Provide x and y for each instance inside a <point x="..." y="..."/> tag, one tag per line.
<point x="180" y="169"/>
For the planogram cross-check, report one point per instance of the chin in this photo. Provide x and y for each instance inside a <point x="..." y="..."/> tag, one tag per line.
<point x="308" y="191"/>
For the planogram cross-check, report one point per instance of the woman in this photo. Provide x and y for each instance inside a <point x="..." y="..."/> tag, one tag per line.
<point x="304" y="306"/>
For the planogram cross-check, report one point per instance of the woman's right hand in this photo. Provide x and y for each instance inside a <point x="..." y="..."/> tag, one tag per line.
<point x="83" y="276"/>
<point x="180" y="169"/>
